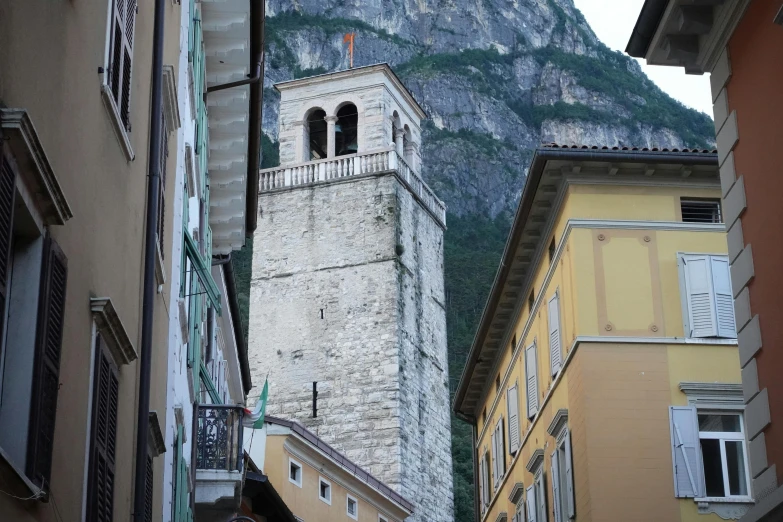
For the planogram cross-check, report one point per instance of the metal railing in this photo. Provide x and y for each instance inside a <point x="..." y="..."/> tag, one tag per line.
<point x="219" y="438"/>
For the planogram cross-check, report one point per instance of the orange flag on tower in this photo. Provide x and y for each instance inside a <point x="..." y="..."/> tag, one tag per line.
<point x="348" y="38"/>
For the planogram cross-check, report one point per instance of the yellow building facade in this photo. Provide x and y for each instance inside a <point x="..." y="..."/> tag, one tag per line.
<point x="603" y="382"/>
<point x="319" y="484"/>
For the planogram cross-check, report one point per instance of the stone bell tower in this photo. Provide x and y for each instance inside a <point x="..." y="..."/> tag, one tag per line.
<point x="347" y="293"/>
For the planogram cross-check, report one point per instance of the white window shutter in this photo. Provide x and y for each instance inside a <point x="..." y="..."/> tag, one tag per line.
<point x="569" y="469"/>
<point x="501" y="450"/>
<point x="531" y="371"/>
<point x="486" y="479"/>
<point x="482" y="480"/>
<point x="724" y="301"/>
<point x="531" y="504"/>
<point x="556" y="487"/>
<point x="699" y="296"/>
<point x="555" y="352"/>
<point x="494" y="457"/>
<point x="512" y="404"/>
<point x="686" y="456"/>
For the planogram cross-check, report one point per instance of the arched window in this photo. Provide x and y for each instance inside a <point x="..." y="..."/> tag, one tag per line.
<point x="407" y="146"/>
<point x="315" y="136"/>
<point x="345" y="131"/>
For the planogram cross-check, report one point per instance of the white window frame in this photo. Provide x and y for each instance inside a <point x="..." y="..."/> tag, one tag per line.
<point x="382" y="518"/>
<point x="292" y="462"/>
<point x="348" y="500"/>
<point x="686" y="312"/>
<point x="724" y="437"/>
<point x="322" y="481"/>
<point x="540" y="488"/>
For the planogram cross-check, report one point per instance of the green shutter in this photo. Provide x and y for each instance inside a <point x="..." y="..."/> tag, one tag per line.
<point x="181" y="499"/>
<point x="209" y="385"/>
<point x="203" y="271"/>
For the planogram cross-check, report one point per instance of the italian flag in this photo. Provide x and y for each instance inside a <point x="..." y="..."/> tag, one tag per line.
<point x="255" y="419"/>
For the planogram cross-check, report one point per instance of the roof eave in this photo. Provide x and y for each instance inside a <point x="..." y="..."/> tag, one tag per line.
<point x="645" y="28"/>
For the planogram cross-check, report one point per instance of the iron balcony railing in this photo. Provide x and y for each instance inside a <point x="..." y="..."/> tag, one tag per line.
<point x="219" y="440"/>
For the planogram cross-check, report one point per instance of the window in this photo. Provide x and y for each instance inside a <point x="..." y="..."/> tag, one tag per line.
<point x="531" y="300"/>
<point x="497" y="383"/>
<point x="723" y="454"/>
<point x="553" y="318"/>
<point x="164" y="154"/>
<point x="701" y="210"/>
<point x="325" y="490"/>
<point x="345" y="131"/>
<point x="512" y="404"/>
<point x="708" y="304"/>
<point x="484" y="416"/>
<point x="552" y="250"/>
<point x="484" y="480"/>
<point x="709" y="455"/>
<point x="33" y="275"/>
<point x="531" y="372"/>
<point x="316" y="136"/>
<point x="103" y="437"/>
<point x="536" y="502"/>
<point x="513" y="343"/>
<point x="123" y="16"/>
<point x="382" y="519"/>
<point x="180" y="494"/>
<point x="498" y="453"/>
<point x="294" y="472"/>
<point x="352" y="508"/>
<point x="563" y="479"/>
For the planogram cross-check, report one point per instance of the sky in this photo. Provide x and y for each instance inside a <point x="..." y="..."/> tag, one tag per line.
<point x="613" y="20"/>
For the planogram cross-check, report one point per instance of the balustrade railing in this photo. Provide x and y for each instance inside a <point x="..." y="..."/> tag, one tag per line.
<point x="352" y="165"/>
<point x="219" y="437"/>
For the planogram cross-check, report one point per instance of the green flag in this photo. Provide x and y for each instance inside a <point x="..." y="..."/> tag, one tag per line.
<point x="255" y="419"/>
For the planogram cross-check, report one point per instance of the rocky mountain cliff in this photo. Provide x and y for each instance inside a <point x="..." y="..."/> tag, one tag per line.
<point x="496" y="77"/>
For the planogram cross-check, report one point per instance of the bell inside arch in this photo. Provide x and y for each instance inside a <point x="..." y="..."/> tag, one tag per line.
<point x="346" y="131"/>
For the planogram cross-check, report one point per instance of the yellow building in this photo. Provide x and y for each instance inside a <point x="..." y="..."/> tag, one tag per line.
<point x="317" y="482"/>
<point x="603" y="382"/>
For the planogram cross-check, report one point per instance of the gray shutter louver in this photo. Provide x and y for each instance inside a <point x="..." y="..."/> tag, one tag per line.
<point x="512" y="403"/>
<point x="686" y="456"/>
<point x="531" y="372"/>
<point x="531" y="504"/>
<point x="482" y="488"/>
<point x="569" y="469"/>
<point x="556" y="487"/>
<point x="724" y="301"/>
<point x="699" y="296"/>
<point x="555" y="351"/>
<point x="7" y="198"/>
<point x="494" y="457"/>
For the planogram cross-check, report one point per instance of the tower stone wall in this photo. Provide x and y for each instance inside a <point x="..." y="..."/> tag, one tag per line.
<point x="347" y="292"/>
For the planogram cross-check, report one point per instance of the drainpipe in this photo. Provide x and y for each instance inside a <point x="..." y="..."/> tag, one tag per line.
<point x="150" y="237"/>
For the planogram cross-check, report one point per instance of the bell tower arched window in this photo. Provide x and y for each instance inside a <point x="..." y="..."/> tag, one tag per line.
<point x="315" y="136"/>
<point x="346" y="131"/>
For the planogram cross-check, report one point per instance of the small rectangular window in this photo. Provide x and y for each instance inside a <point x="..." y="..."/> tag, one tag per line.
<point x="531" y="300"/>
<point x="352" y="508"/>
<point x="497" y="382"/>
<point x="325" y="490"/>
<point x="552" y="250"/>
<point x="513" y="343"/>
<point x="295" y="472"/>
<point x="484" y="416"/>
<point x="701" y="210"/>
<point x="382" y="519"/>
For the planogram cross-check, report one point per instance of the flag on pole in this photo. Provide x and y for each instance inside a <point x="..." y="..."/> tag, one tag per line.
<point x="348" y="38"/>
<point x="255" y="419"/>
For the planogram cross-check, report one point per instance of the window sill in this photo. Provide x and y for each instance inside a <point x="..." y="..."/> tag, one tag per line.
<point x="727" y="508"/>
<point x="21" y="487"/>
<point x="119" y="129"/>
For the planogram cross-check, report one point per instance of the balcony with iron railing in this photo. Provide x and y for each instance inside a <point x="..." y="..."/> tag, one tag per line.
<point x="219" y="459"/>
<point x="366" y="163"/>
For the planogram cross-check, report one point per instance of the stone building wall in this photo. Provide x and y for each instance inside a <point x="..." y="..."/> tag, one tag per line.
<point x="365" y="254"/>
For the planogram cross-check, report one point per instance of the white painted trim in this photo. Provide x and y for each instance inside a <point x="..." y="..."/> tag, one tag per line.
<point x="298" y="464"/>
<point x="116" y="123"/>
<point x="348" y="499"/>
<point x="88" y="434"/>
<point x="322" y="498"/>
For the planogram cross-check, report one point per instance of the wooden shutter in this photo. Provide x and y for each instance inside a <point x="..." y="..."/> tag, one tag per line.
<point x="512" y="403"/>
<point x="104" y="436"/>
<point x="531" y="504"/>
<point x="699" y="296"/>
<point x="46" y="369"/>
<point x="555" y="353"/>
<point x="569" y="470"/>
<point x="556" y="486"/>
<point x="123" y="27"/>
<point x="148" y="490"/>
<point x="500" y="436"/>
<point x="7" y="197"/>
<point x="724" y="301"/>
<point x="686" y="455"/>
<point x="164" y="154"/>
<point x="532" y="380"/>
